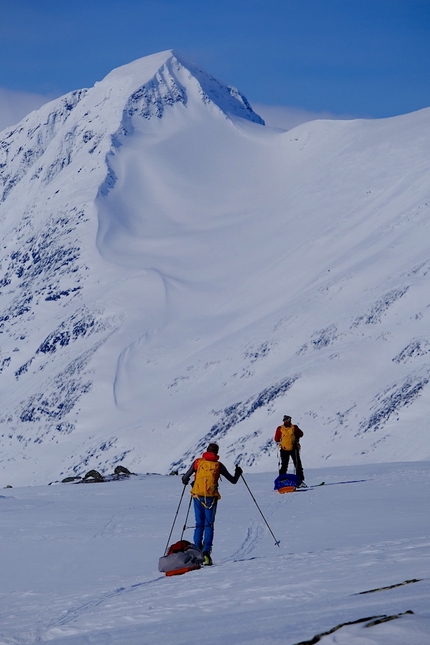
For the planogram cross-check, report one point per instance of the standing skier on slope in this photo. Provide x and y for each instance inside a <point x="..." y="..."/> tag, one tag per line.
<point x="288" y="436"/>
<point x="204" y="490"/>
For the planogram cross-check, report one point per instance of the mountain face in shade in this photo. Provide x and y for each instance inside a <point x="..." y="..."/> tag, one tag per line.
<point x="173" y="272"/>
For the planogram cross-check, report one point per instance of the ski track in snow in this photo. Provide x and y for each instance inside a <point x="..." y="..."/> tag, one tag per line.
<point x="254" y="535"/>
<point x="72" y="615"/>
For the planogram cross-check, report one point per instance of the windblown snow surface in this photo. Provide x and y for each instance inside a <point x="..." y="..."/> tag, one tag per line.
<point x="79" y="562"/>
<point x="174" y="272"/>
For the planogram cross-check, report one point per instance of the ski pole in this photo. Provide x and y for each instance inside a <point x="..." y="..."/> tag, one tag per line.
<point x="277" y="542"/>
<point x="174" y="521"/>
<point x="186" y="518"/>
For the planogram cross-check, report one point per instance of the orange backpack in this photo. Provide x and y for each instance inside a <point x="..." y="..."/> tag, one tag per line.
<point x="206" y="481"/>
<point x="288" y="438"/>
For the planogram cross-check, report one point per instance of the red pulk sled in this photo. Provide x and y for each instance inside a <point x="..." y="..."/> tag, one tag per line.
<point x="287" y="483"/>
<point x="180" y="558"/>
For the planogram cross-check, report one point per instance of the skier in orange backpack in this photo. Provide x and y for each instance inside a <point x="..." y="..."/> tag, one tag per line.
<point x="207" y="470"/>
<point x="288" y="436"/>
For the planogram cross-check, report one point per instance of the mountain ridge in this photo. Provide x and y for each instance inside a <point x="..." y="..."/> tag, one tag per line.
<point x="174" y="272"/>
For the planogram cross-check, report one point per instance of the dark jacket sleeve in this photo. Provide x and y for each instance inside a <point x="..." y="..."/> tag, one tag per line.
<point x="186" y="478"/>
<point x="233" y="479"/>
<point x="298" y="432"/>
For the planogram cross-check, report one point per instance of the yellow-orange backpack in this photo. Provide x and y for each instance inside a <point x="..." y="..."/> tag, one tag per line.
<point x="206" y="481"/>
<point x="288" y="437"/>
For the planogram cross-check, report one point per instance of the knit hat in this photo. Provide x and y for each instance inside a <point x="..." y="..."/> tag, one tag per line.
<point x="213" y="447"/>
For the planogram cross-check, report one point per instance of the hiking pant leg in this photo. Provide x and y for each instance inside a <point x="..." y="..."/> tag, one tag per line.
<point x="285" y="458"/>
<point x="199" y="512"/>
<point x="298" y="464"/>
<point x="209" y="524"/>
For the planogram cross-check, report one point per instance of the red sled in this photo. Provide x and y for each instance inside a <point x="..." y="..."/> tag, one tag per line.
<point x="179" y="572"/>
<point x="181" y="558"/>
<point x="286" y="489"/>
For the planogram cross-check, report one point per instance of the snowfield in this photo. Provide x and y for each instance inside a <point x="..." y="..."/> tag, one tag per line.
<point x="79" y="562"/>
<point x="173" y="272"/>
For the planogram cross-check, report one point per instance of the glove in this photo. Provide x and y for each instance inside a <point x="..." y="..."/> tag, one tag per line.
<point x="185" y="480"/>
<point x="238" y="471"/>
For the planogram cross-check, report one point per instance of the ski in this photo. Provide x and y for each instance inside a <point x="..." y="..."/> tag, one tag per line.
<point x="310" y="487"/>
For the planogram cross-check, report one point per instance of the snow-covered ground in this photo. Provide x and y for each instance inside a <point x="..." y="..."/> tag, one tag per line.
<point x="79" y="562"/>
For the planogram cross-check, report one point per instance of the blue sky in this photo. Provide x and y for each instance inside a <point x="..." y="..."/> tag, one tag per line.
<point x="342" y="57"/>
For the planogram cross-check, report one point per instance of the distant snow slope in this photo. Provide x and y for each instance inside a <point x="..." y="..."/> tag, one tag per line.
<point x="174" y="272"/>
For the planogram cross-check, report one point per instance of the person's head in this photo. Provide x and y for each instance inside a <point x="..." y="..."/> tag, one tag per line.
<point x="287" y="420"/>
<point x="213" y="447"/>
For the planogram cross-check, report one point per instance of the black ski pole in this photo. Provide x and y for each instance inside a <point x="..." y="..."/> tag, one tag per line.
<point x="277" y="542"/>
<point x="174" y="521"/>
<point x="186" y="518"/>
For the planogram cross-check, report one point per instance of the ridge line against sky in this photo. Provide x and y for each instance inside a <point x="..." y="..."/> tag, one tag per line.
<point x="302" y="58"/>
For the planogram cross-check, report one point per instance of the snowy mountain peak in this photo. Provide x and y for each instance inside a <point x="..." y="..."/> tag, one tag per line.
<point x="172" y="275"/>
<point x="166" y="78"/>
<point x="143" y="88"/>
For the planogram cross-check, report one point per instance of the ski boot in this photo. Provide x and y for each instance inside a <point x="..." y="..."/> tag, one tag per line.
<point x="207" y="560"/>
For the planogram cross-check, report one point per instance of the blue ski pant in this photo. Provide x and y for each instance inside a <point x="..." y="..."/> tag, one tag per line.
<point x="204" y="511"/>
